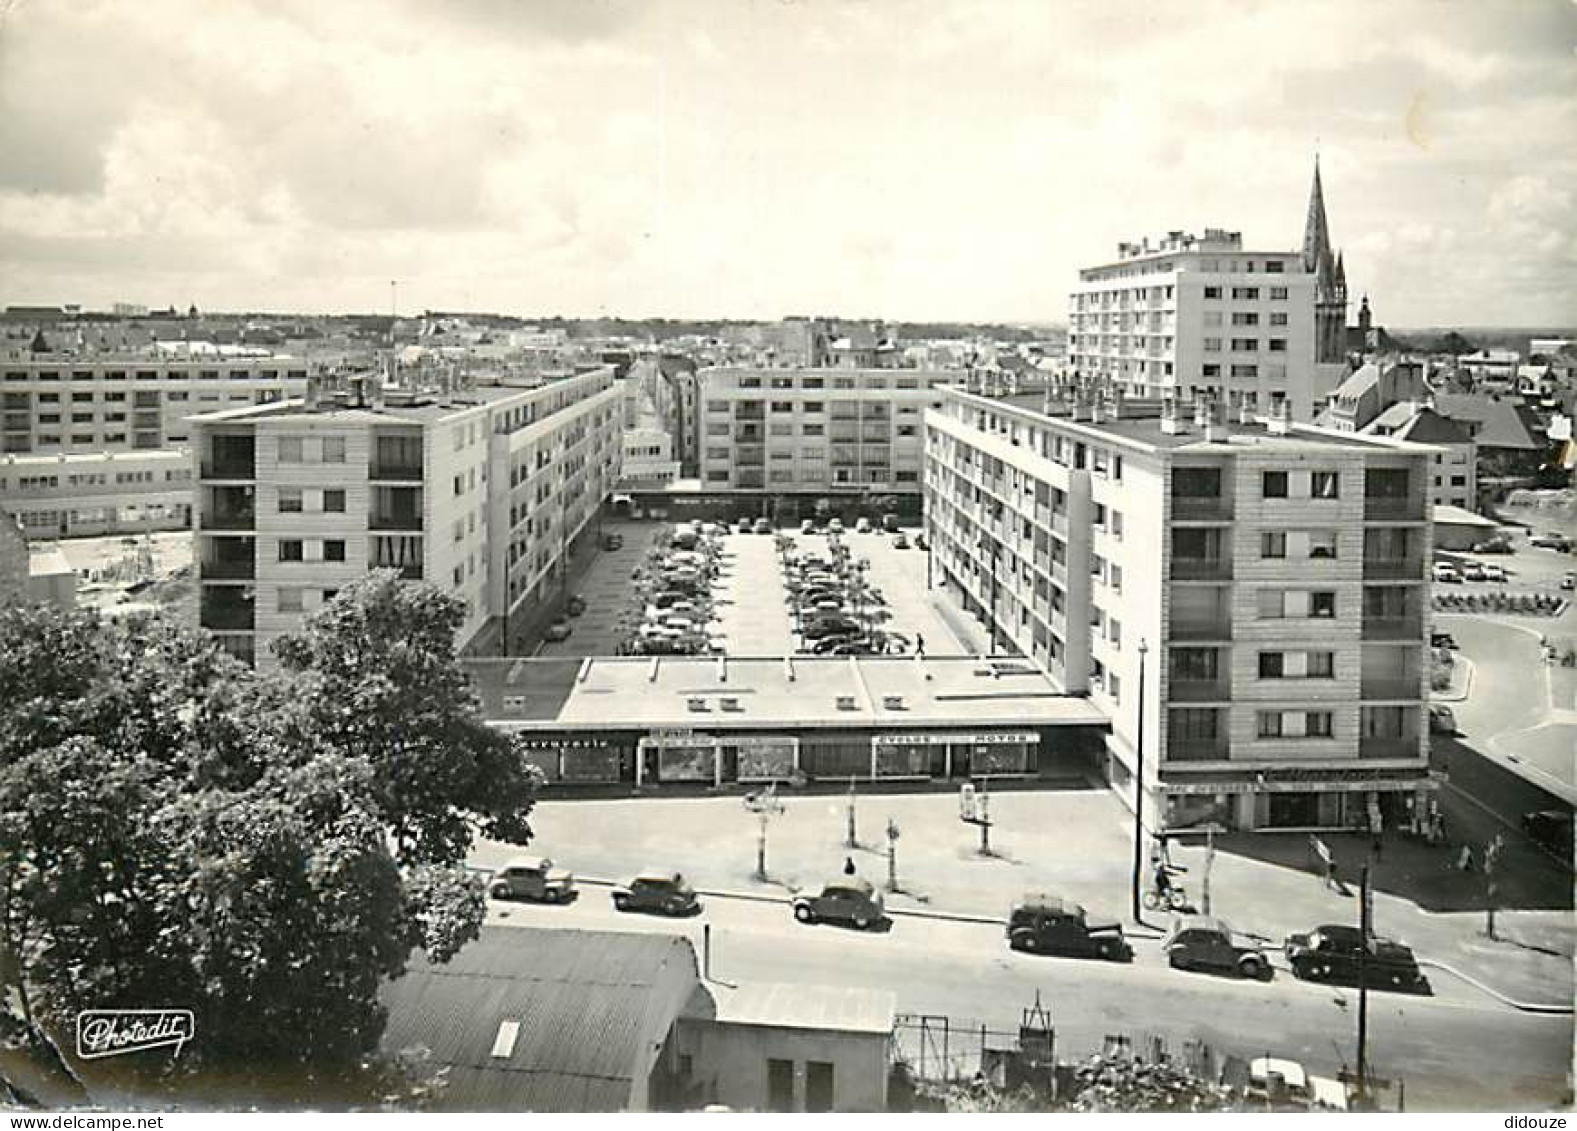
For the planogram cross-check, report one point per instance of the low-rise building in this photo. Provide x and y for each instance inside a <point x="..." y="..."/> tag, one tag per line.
<point x="82" y="494"/>
<point x="1245" y="598"/>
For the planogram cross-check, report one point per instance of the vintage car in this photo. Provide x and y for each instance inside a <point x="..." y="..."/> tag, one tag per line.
<point x="1045" y="924"/>
<point x="1340" y="953"/>
<point x="846" y="899"/>
<point x="1284" y="1085"/>
<point x="658" y="891"/>
<point x="1442" y="720"/>
<point x="558" y="630"/>
<point x="532" y="878"/>
<point x="1199" y="942"/>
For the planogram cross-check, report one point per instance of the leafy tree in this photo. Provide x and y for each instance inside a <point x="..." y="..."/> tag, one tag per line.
<point x="266" y="851"/>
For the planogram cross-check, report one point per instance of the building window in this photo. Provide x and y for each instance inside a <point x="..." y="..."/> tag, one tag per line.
<point x="290" y="500"/>
<point x="1322" y="543"/>
<point x="1273" y="544"/>
<point x="333" y="549"/>
<point x="1278" y="318"/>
<point x="1322" y="604"/>
<point x="1278" y="345"/>
<point x="288" y="599"/>
<point x="1212" y="292"/>
<point x="290" y="449"/>
<point x="1269" y="724"/>
<point x="1323" y="485"/>
<point x="1317" y="724"/>
<point x="1272" y="665"/>
<point x="1322" y="665"/>
<point x="334" y="501"/>
<point x="290" y="550"/>
<point x="334" y="449"/>
<point x="1273" y="484"/>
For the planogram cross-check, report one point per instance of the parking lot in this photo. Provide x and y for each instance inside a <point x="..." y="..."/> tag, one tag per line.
<point x="753" y="614"/>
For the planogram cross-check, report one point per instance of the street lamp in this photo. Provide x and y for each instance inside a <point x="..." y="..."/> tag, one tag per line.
<point x="1138" y="787"/>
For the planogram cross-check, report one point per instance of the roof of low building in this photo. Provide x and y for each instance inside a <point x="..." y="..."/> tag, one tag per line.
<point x="1417" y="423"/>
<point x="539" y="1019"/>
<point x="1457" y="516"/>
<point x="1504" y="422"/>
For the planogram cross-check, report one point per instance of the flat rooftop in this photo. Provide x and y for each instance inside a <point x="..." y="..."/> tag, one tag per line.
<point x="621" y="693"/>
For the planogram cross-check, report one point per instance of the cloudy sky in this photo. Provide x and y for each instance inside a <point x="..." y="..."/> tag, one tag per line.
<point x="755" y="158"/>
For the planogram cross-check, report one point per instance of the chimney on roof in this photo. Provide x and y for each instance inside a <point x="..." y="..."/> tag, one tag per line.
<point x="1172" y="421"/>
<point x="1218" y="421"/>
<point x="1095" y="406"/>
<point x="1279" y="422"/>
<point x="314" y="391"/>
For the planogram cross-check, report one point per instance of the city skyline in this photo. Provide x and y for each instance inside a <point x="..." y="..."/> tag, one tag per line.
<point x="751" y="160"/>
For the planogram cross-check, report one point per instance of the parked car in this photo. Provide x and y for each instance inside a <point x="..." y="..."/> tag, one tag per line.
<point x="807" y="526"/>
<point x="1495" y="545"/>
<point x="1551" y="828"/>
<point x="1284" y="1085"/>
<point x="1445" y="571"/>
<point x="890" y="522"/>
<point x="1442" y="640"/>
<point x="744" y="525"/>
<point x="900" y="541"/>
<point x="823" y="626"/>
<point x="1552" y="540"/>
<point x="1441" y="719"/>
<point x="1473" y="571"/>
<point x="863" y="526"/>
<point x="558" y="630"/>
<point x="846" y="899"/>
<point x="532" y="878"/>
<point x="1045" y="924"/>
<point x="1199" y="942"/>
<point x="1493" y="572"/>
<point x="827" y="645"/>
<point x="575" y="606"/>
<point x="658" y="891"/>
<point x="612" y="541"/>
<point x="762" y="526"/>
<point x="1336" y="953"/>
<point x="835" y="526"/>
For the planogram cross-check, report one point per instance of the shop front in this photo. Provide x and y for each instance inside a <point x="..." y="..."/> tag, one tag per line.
<point x="1300" y="800"/>
<point x="954" y="755"/>
<point x="686" y="756"/>
<point x="581" y="760"/>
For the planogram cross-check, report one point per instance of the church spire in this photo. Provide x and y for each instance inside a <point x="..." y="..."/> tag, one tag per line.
<point x="1316" y="233"/>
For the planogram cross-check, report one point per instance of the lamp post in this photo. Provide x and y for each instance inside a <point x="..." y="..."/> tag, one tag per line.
<point x="1138" y="788"/>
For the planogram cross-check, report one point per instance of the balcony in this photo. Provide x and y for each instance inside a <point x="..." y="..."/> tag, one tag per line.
<point x="1409" y="629"/>
<point x="386" y="471"/>
<point x="1202" y="628"/>
<point x="1206" y="508"/>
<point x="1391" y="687"/>
<point x="1393" y="569"/>
<point x="394" y="520"/>
<point x="1379" y="508"/>
<point x="233" y="615"/>
<point x="1196" y="750"/>
<point x="1200" y="691"/>
<point x="1399" y="748"/>
<point x="410" y="572"/>
<point x="227" y="518"/>
<point x="229" y="468"/>
<point x="235" y="569"/>
<point x="1201" y="569"/>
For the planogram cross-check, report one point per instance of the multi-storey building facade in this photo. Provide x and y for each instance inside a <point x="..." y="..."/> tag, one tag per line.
<point x="1199" y="313"/>
<point x="815" y="431"/>
<point x="479" y="489"/>
<point x="1245" y="597"/>
<point x="97" y="443"/>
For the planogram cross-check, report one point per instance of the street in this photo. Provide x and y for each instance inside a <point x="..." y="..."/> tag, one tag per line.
<point x="1456" y="1050"/>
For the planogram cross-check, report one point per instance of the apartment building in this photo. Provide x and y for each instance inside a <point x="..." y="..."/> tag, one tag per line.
<point x="815" y="432"/>
<point x="97" y="443"/>
<point x="477" y="486"/>
<point x="1199" y="314"/>
<point x="1244" y="597"/>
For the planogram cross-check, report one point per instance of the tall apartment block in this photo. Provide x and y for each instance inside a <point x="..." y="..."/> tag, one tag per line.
<point x="95" y="443"/>
<point x="479" y="488"/>
<point x="1247" y="594"/>
<point x="1196" y="314"/>
<point x="815" y="432"/>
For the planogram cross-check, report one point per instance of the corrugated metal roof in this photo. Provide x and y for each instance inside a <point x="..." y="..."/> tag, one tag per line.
<point x="592" y="1007"/>
<point x="840" y="1009"/>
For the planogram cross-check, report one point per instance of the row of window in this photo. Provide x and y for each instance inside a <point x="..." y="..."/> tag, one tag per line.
<point x="292" y="500"/>
<point x="807" y="382"/>
<point x="18" y="375"/>
<point x="1277" y="294"/>
<point x="1246" y="345"/>
<point x="1204" y="665"/>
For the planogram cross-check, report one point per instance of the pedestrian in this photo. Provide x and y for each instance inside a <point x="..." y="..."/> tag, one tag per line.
<point x="1331" y="880"/>
<point x="1465" y="860"/>
<point x="848" y="865"/>
<point x="919" y="644"/>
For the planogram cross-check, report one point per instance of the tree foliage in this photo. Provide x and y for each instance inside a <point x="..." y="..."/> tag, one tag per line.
<point x="178" y="832"/>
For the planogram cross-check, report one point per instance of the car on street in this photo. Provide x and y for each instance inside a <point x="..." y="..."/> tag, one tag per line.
<point x="827" y="645"/>
<point x="807" y="526"/>
<point x="1200" y="942"/>
<point x="1446" y="572"/>
<point x="1441" y="719"/>
<point x="890" y="522"/>
<point x="658" y="891"/>
<point x="846" y="899"/>
<point x="835" y="526"/>
<point x="828" y="625"/>
<point x="1495" y="573"/>
<point x="1473" y="571"/>
<point x="1551" y="828"/>
<point x="1442" y="640"/>
<point x="1552" y="540"/>
<point x="558" y="630"/>
<point x="863" y="526"/>
<point x="575" y="606"/>
<point x="1282" y="1085"/>
<point x="763" y="526"/>
<point x="532" y="878"/>
<point x="612" y="541"/>
<point x="743" y="525"/>
<point x="1496" y="545"/>
<point x="1340" y="953"/>
<point x="900" y="541"/>
<point x="1045" y="924"/>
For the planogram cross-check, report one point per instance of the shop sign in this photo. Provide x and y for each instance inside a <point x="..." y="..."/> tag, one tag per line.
<point x="1307" y="786"/>
<point x="953" y="739"/>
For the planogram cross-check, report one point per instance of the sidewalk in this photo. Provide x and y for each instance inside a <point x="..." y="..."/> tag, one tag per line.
<point x="1076" y="844"/>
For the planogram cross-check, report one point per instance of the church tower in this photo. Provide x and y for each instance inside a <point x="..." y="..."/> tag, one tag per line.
<point x="1330" y="279"/>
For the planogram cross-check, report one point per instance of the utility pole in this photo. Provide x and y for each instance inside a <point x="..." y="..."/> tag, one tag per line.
<point x="1492" y="852"/>
<point x="1210" y="859"/>
<point x="1138" y="790"/>
<point x="1366" y="927"/>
